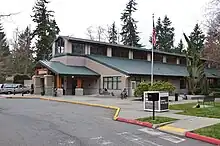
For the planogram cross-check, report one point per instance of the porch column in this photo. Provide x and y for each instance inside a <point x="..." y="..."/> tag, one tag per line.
<point x="79" y="89"/>
<point x="37" y="84"/>
<point x="48" y="84"/>
<point x="59" y="88"/>
<point x="58" y="79"/>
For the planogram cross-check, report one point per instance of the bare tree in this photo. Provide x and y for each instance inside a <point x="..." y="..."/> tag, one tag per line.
<point x="8" y="15"/>
<point x="90" y="32"/>
<point x="98" y="33"/>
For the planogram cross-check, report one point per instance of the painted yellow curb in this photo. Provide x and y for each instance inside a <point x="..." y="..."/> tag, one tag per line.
<point x="88" y="104"/>
<point x="171" y="128"/>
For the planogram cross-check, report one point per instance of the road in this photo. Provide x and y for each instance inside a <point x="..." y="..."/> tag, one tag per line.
<point x="33" y="122"/>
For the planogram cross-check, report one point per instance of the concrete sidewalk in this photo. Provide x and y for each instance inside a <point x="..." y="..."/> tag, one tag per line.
<point x="131" y="109"/>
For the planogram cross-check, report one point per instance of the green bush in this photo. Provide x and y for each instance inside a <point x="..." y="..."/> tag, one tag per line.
<point x="162" y="86"/>
<point x="139" y="91"/>
<point x="157" y="86"/>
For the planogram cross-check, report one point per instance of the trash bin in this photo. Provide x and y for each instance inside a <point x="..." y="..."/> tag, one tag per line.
<point x="176" y="96"/>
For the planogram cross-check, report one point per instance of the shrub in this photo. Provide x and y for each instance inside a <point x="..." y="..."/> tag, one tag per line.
<point x="139" y="91"/>
<point x="162" y="86"/>
<point x="157" y="86"/>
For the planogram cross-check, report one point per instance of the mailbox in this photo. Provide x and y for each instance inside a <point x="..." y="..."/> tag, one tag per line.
<point x="153" y="96"/>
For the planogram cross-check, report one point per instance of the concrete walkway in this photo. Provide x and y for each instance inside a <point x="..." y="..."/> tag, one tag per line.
<point x="131" y="109"/>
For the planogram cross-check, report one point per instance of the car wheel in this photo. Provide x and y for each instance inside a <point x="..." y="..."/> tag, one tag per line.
<point x="9" y="92"/>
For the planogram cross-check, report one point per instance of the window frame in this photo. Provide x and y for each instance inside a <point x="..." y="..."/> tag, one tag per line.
<point x="111" y="81"/>
<point x="183" y="85"/>
<point x="78" y="47"/>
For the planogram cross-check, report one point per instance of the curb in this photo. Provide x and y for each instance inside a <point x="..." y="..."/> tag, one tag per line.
<point x="202" y="138"/>
<point x="135" y="122"/>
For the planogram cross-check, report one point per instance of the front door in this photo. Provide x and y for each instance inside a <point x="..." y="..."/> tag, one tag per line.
<point x="74" y="84"/>
<point x="133" y="87"/>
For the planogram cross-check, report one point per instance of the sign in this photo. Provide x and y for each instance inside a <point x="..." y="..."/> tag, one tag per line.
<point x="42" y="71"/>
<point x="153" y="96"/>
<point x="164" y="103"/>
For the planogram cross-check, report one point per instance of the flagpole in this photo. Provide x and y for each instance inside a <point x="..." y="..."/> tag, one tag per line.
<point x="152" y="58"/>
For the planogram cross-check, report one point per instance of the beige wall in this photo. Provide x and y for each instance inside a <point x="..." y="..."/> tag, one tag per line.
<point x="105" y="71"/>
<point x="130" y="55"/>
<point x="68" y="46"/>
<point x="90" y="86"/>
<point x="62" y="59"/>
<point x="70" y="60"/>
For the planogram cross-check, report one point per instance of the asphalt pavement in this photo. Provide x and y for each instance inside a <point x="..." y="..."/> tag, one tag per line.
<point x="33" y="122"/>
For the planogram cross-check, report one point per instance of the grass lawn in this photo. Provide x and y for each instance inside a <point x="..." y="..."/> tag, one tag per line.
<point x="157" y="120"/>
<point x="211" y="112"/>
<point x="211" y="131"/>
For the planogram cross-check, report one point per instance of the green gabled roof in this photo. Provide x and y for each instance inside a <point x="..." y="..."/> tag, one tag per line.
<point x="142" y="67"/>
<point x="60" y="68"/>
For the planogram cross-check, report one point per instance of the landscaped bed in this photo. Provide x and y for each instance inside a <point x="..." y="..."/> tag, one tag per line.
<point x="210" y="131"/>
<point x="158" y="120"/>
<point x="188" y="109"/>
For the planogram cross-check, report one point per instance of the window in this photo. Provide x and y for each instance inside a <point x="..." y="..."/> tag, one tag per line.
<point x="98" y="50"/>
<point x="137" y="80"/>
<point x="171" y="59"/>
<point x="182" y="84"/>
<point x="59" y="46"/>
<point x="120" y="52"/>
<point x="139" y="55"/>
<point x="78" y="48"/>
<point x="111" y="82"/>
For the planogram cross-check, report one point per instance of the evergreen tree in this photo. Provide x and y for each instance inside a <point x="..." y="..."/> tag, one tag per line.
<point x="197" y="38"/>
<point x="129" y="28"/>
<point x="164" y="35"/>
<point x="4" y="55"/>
<point x="113" y="34"/>
<point x="4" y="48"/>
<point x="46" y="29"/>
<point x="179" y="48"/>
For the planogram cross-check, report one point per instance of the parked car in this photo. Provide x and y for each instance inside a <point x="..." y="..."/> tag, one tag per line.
<point x="1" y="88"/>
<point x="14" y="88"/>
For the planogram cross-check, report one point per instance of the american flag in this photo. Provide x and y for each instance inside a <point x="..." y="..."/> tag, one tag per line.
<point x="154" y="34"/>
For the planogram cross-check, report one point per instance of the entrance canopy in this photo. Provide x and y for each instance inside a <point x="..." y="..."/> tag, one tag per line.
<point x="62" y="69"/>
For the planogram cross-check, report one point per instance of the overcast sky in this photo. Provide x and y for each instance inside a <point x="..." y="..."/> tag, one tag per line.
<point x="74" y="16"/>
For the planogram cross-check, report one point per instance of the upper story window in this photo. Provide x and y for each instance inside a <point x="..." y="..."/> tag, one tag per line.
<point x="78" y="48"/>
<point x="183" y="60"/>
<point x="98" y="50"/>
<point x="158" y="57"/>
<point x="59" y="46"/>
<point x="120" y="52"/>
<point x="171" y="59"/>
<point x="137" y="54"/>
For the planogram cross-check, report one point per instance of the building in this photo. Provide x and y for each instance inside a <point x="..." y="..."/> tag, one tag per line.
<point x="85" y="67"/>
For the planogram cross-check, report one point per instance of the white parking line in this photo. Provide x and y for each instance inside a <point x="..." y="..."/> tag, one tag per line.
<point x="151" y="131"/>
<point x="101" y="141"/>
<point x="138" y="140"/>
<point x="171" y="138"/>
<point x="162" y="135"/>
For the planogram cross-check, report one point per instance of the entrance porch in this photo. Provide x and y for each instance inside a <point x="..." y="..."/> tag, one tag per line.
<point x="68" y="80"/>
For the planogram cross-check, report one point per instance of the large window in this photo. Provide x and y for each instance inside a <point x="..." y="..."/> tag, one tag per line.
<point x="182" y="84"/>
<point x="120" y="52"/>
<point x="139" y="55"/>
<point x="78" y="48"/>
<point x="111" y="82"/>
<point x="98" y="50"/>
<point x="59" y="46"/>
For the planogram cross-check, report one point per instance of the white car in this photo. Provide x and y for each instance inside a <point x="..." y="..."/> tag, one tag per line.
<point x="14" y="88"/>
